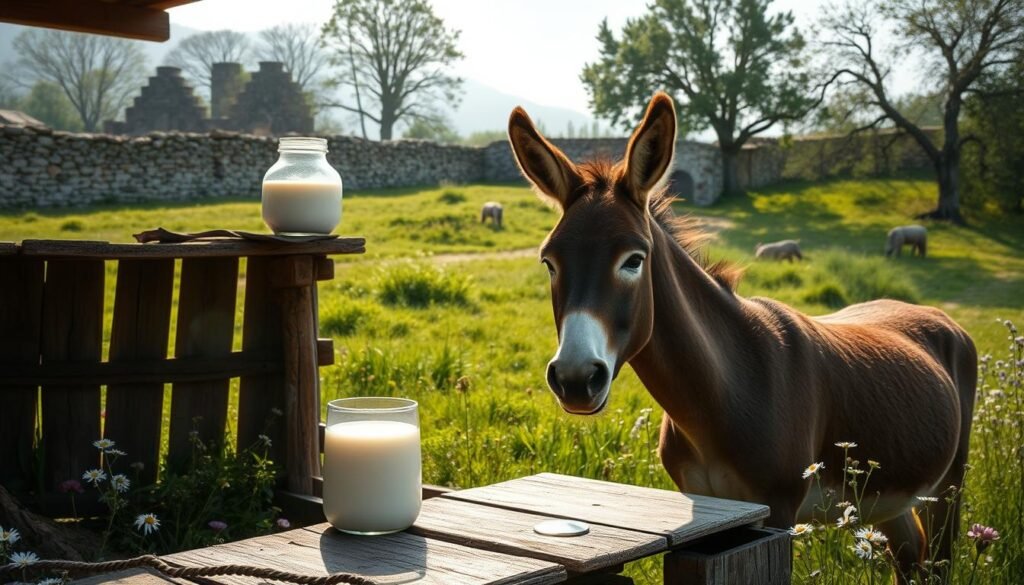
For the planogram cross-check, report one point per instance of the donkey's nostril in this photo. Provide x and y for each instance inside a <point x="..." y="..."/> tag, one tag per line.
<point x="599" y="379"/>
<point x="553" y="383"/>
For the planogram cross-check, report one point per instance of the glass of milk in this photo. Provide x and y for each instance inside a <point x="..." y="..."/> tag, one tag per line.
<point x="372" y="481"/>
<point x="302" y="191"/>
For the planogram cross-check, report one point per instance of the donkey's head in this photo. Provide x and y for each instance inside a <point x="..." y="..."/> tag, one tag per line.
<point x="597" y="254"/>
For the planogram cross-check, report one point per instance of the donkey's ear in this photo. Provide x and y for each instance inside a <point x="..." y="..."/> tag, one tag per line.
<point x="551" y="172"/>
<point x="650" y="150"/>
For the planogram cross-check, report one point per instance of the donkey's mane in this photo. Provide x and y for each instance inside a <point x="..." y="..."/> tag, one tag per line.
<point x="601" y="174"/>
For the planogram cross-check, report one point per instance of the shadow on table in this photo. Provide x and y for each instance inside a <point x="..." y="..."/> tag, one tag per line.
<point x="390" y="558"/>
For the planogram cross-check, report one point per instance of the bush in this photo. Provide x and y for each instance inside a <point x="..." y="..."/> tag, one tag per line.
<point x="868" y="278"/>
<point x="829" y="294"/>
<point x="72" y="225"/>
<point x="451" y="197"/>
<point x="419" y="285"/>
<point x="344" y="319"/>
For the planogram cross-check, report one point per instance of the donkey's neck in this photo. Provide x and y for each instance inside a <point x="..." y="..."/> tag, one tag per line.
<point x="698" y="333"/>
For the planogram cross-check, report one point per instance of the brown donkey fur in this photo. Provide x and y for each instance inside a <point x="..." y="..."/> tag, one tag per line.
<point x="753" y="390"/>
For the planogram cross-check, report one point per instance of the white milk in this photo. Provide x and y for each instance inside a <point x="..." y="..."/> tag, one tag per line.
<point x="301" y="207"/>
<point x="372" y="481"/>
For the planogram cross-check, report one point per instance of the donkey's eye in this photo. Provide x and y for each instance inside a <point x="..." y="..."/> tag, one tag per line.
<point x="633" y="263"/>
<point x="547" y="264"/>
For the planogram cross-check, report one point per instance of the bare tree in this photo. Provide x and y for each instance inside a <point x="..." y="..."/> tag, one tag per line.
<point x="98" y="74"/>
<point x="196" y="54"/>
<point x="298" y="47"/>
<point x="963" y="41"/>
<point x="394" y="54"/>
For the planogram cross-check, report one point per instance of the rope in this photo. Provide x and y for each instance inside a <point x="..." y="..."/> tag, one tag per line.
<point x="154" y="562"/>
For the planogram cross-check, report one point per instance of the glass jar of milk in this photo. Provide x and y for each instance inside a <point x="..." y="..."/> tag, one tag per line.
<point x="302" y="192"/>
<point x="372" y="479"/>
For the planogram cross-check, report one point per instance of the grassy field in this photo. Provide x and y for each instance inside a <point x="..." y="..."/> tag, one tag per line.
<point x="440" y="298"/>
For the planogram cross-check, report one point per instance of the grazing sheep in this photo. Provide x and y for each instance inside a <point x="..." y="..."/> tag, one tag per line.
<point x="916" y="236"/>
<point x="493" y="210"/>
<point x="783" y="250"/>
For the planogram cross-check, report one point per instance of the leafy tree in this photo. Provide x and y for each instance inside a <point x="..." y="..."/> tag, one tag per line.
<point x="97" y="74"/>
<point x="47" y="103"/>
<point x="298" y="47"/>
<point x="436" y="130"/>
<point x="732" y="66"/>
<point x="964" y="42"/>
<point x="196" y="54"/>
<point x="485" y="137"/>
<point x="393" y="54"/>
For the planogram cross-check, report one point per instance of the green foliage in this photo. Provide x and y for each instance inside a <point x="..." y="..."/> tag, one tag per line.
<point x="485" y="137"/>
<point x="72" y="225"/>
<point x="993" y="159"/>
<point x="421" y="285"/>
<point x="48" y="103"/>
<point x="436" y="129"/>
<point x="451" y="197"/>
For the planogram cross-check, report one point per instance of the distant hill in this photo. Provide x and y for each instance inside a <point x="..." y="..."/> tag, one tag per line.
<point x="482" y="107"/>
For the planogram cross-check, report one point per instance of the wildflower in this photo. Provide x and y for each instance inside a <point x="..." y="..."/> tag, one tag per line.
<point x="50" y="581"/>
<point x="844" y="505"/>
<point x="927" y="499"/>
<point x="846" y="444"/>
<point x="863" y="550"/>
<point x="23" y="559"/>
<point x="848" y="518"/>
<point x="639" y="423"/>
<point x="9" y="536"/>
<point x="103" y="444"/>
<point x="94" y="476"/>
<point x="801" y="529"/>
<point x="265" y="440"/>
<point x="813" y="469"/>
<point x="137" y="466"/>
<point x="874" y="464"/>
<point x="115" y="452"/>
<point x="146" y="523"/>
<point x="218" y="525"/>
<point x="283" y="523"/>
<point x="120" y="483"/>
<point x="982" y="536"/>
<point x="871" y="535"/>
<point x="70" y="485"/>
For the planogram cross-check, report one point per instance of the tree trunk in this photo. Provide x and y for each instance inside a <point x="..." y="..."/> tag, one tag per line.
<point x="730" y="171"/>
<point x="947" y="167"/>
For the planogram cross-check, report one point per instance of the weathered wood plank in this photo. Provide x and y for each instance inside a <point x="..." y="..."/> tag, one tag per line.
<point x="182" y="369"/>
<point x="129" y="577"/>
<point x="8" y="248"/>
<point x="761" y="556"/>
<point x="142" y="320"/>
<point x="679" y="517"/>
<point x="206" y="249"/>
<point x="206" y="314"/>
<point x="394" y="558"/>
<point x="72" y="331"/>
<point x="511" y="532"/>
<point x="21" y="302"/>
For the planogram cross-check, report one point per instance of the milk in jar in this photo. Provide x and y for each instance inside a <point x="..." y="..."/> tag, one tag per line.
<point x="301" y="191"/>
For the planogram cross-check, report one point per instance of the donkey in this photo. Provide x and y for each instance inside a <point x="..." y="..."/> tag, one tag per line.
<point x="753" y="390"/>
<point x="915" y="236"/>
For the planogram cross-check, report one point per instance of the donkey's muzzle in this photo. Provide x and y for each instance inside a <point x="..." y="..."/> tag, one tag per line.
<point x="581" y="389"/>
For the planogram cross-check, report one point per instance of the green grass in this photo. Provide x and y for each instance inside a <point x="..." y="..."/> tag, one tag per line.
<point x="408" y="321"/>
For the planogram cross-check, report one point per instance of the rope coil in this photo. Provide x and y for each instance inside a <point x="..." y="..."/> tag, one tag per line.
<point x="154" y="562"/>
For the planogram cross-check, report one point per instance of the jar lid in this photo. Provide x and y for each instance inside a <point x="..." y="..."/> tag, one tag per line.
<point x="301" y="144"/>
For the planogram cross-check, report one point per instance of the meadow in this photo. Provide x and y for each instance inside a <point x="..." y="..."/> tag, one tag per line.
<point x="456" y="315"/>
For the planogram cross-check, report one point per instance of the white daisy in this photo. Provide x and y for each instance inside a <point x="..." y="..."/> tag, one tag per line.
<point x="863" y="549"/>
<point x="266" y="440"/>
<point x="146" y="523"/>
<point x="848" y="518"/>
<point x="871" y="535"/>
<point x="846" y="444"/>
<point x="103" y="444"/>
<point x="115" y="452"/>
<point x="23" y="559"/>
<point x="813" y="469"/>
<point x="801" y="529"/>
<point x="927" y="499"/>
<point x="120" y="482"/>
<point x="94" y="476"/>
<point x="9" y="536"/>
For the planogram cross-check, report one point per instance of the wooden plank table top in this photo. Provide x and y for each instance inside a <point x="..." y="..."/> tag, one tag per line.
<point x="678" y="517"/>
<point x="206" y="249"/>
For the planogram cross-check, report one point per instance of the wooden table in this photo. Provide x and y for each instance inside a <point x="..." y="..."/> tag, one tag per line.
<point x="485" y="536"/>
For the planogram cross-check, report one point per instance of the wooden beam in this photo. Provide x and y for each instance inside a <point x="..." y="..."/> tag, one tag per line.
<point x="134" y="21"/>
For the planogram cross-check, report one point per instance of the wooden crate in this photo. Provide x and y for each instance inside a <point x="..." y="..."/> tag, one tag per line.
<point x="738" y="557"/>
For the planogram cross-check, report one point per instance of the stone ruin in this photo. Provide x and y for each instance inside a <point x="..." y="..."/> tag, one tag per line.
<point x="268" y="103"/>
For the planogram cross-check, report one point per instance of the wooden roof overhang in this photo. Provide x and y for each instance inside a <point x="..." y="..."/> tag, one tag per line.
<point x="135" y="19"/>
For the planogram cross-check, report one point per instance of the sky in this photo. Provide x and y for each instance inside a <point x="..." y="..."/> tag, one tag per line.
<point x="530" y="48"/>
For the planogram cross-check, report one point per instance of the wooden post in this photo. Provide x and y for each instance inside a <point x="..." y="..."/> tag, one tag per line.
<point x="745" y="556"/>
<point x="294" y="276"/>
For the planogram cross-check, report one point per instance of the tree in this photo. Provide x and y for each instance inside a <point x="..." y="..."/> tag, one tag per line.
<point x="47" y="103"/>
<point x="964" y="43"/>
<point x="393" y="54"/>
<point x="731" y="65"/>
<point x="197" y="53"/>
<point x="298" y="47"/>
<point x="98" y="74"/>
<point x="436" y="130"/>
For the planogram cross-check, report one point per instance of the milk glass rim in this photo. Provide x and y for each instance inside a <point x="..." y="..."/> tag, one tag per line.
<point x="301" y="144"/>
<point x="350" y="404"/>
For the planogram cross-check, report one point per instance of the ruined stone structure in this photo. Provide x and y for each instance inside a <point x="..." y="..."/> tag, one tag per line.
<point x="268" y="103"/>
